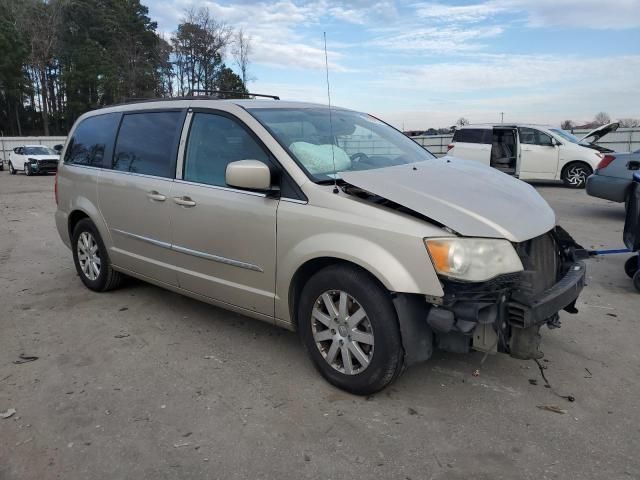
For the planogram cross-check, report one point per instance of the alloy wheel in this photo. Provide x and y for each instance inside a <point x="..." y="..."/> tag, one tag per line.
<point x="342" y="332"/>
<point x="89" y="256"/>
<point x="577" y="176"/>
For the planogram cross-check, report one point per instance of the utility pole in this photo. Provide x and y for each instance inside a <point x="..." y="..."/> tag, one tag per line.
<point x="501" y="117"/>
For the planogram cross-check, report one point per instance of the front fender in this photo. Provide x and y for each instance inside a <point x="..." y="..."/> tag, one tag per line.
<point x="400" y="271"/>
<point x="17" y="162"/>
<point x="378" y="261"/>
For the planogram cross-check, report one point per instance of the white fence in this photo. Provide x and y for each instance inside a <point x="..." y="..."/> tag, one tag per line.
<point x="9" y="143"/>
<point x="622" y="140"/>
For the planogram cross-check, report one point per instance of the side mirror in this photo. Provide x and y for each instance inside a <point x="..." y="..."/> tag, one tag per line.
<point x="554" y="143"/>
<point x="249" y="174"/>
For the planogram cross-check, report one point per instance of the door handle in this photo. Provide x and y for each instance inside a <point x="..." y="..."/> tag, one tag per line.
<point x="184" y="201"/>
<point x="526" y="149"/>
<point x="154" y="195"/>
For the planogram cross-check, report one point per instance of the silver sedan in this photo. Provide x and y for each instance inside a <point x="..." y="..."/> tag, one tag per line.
<point x="613" y="176"/>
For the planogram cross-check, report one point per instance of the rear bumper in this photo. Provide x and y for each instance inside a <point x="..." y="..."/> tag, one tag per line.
<point x="609" y="188"/>
<point x="559" y="297"/>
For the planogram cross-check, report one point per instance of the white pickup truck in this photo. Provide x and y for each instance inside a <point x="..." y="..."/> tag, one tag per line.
<point x="33" y="159"/>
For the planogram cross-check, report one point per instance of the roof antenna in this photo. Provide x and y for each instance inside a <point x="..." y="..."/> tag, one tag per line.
<point x="333" y="155"/>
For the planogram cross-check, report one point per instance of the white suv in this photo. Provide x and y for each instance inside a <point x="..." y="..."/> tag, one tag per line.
<point x="33" y="160"/>
<point x="532" y="152"/>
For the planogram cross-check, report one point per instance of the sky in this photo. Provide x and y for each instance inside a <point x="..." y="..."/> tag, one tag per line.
<point x="425" y="64"/>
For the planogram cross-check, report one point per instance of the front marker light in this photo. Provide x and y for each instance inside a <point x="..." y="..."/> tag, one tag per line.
<point x="472" y="259"/>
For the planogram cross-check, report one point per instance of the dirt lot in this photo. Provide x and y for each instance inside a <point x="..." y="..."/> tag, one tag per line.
<point x="142" y="383"/>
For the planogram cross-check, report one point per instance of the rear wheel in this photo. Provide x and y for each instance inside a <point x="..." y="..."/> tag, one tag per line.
<point x="349" y="327"/>
<point x="12" y="170"/>
<point x="575" y="174"/>
<point x="91" y="258"/>
<point x="636" y="281"/>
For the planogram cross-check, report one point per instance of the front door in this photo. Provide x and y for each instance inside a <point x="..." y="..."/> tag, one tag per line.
<point x="134" y="194"/>
<point x="538" y="155"/>
<point x="224" y="238"/>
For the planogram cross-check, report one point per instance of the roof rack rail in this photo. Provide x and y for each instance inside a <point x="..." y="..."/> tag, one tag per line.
<point x="217" y="93"/>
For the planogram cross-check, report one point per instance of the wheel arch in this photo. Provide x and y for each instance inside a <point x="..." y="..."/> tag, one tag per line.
<point x="415" y="335"/>
<point x="572" y="163"/>
<point x="84" y="208"/>
<point x="73" y="219"/>
<point x="575" y="162"/>
<point x="310" y="268"/>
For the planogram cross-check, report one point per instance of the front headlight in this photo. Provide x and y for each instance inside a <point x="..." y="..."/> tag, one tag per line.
<point x="472" y="259"/>
<point x="32" y="160"/>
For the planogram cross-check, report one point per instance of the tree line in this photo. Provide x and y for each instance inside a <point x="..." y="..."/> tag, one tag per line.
<point x="601" y="118"/>
<point x="61" y="58"/>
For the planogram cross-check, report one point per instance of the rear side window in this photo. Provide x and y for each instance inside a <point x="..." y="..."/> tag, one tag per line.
<point x="473" y="135"/>
<point x="148" y="142"/>
<point x="92" y="141"/>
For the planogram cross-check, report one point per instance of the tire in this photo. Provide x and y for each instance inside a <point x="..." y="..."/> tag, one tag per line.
<point x="636" y="281"/>
<point x="27" y="170"/>
<point x="12" y="170"/>
<point x="631" y="266"/>
<point x="1" y="166"/>
<point x="574" y="175"/>
<point x="86" y="239"/>
<point x="361" y="358"/>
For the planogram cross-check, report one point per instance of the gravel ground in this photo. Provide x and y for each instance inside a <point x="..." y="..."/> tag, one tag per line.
<point x="143" y="383"/>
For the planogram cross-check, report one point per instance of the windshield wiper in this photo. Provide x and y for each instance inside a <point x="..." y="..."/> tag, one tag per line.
<point x="330" y="181"/>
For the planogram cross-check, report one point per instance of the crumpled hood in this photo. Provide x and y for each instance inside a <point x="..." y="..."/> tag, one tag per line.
<point x="473" y="199"/>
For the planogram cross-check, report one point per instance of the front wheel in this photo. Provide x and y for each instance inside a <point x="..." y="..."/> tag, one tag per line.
<point x="27" y="170"/>
<point x="575" y="175"/>
<point x="349" y="327"/>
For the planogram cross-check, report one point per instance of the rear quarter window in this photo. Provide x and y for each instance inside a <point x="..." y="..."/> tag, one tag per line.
<point x="148" y="142"/>
<point x="92" y="141"/>
<point x="473" y="135"/>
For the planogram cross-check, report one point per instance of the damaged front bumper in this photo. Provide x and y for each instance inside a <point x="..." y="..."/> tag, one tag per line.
<point x="525" y="319"/>
<point x="506" y="313"/>
<point x="562" y="296"/>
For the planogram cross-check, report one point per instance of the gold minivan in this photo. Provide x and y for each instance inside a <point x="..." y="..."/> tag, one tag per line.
<point x="324" y="221"/>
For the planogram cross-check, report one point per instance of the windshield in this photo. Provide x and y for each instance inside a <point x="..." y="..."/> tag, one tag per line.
<point x="39" y="151"/>
<point x="566" y="135"/>
<point x="351" y="140"/>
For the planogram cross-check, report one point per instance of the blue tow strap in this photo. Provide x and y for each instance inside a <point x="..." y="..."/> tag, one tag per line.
<point x="609" y="252"/>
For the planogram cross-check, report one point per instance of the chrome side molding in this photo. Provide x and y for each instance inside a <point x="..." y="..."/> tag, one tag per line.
<point x="188" y="251"/>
